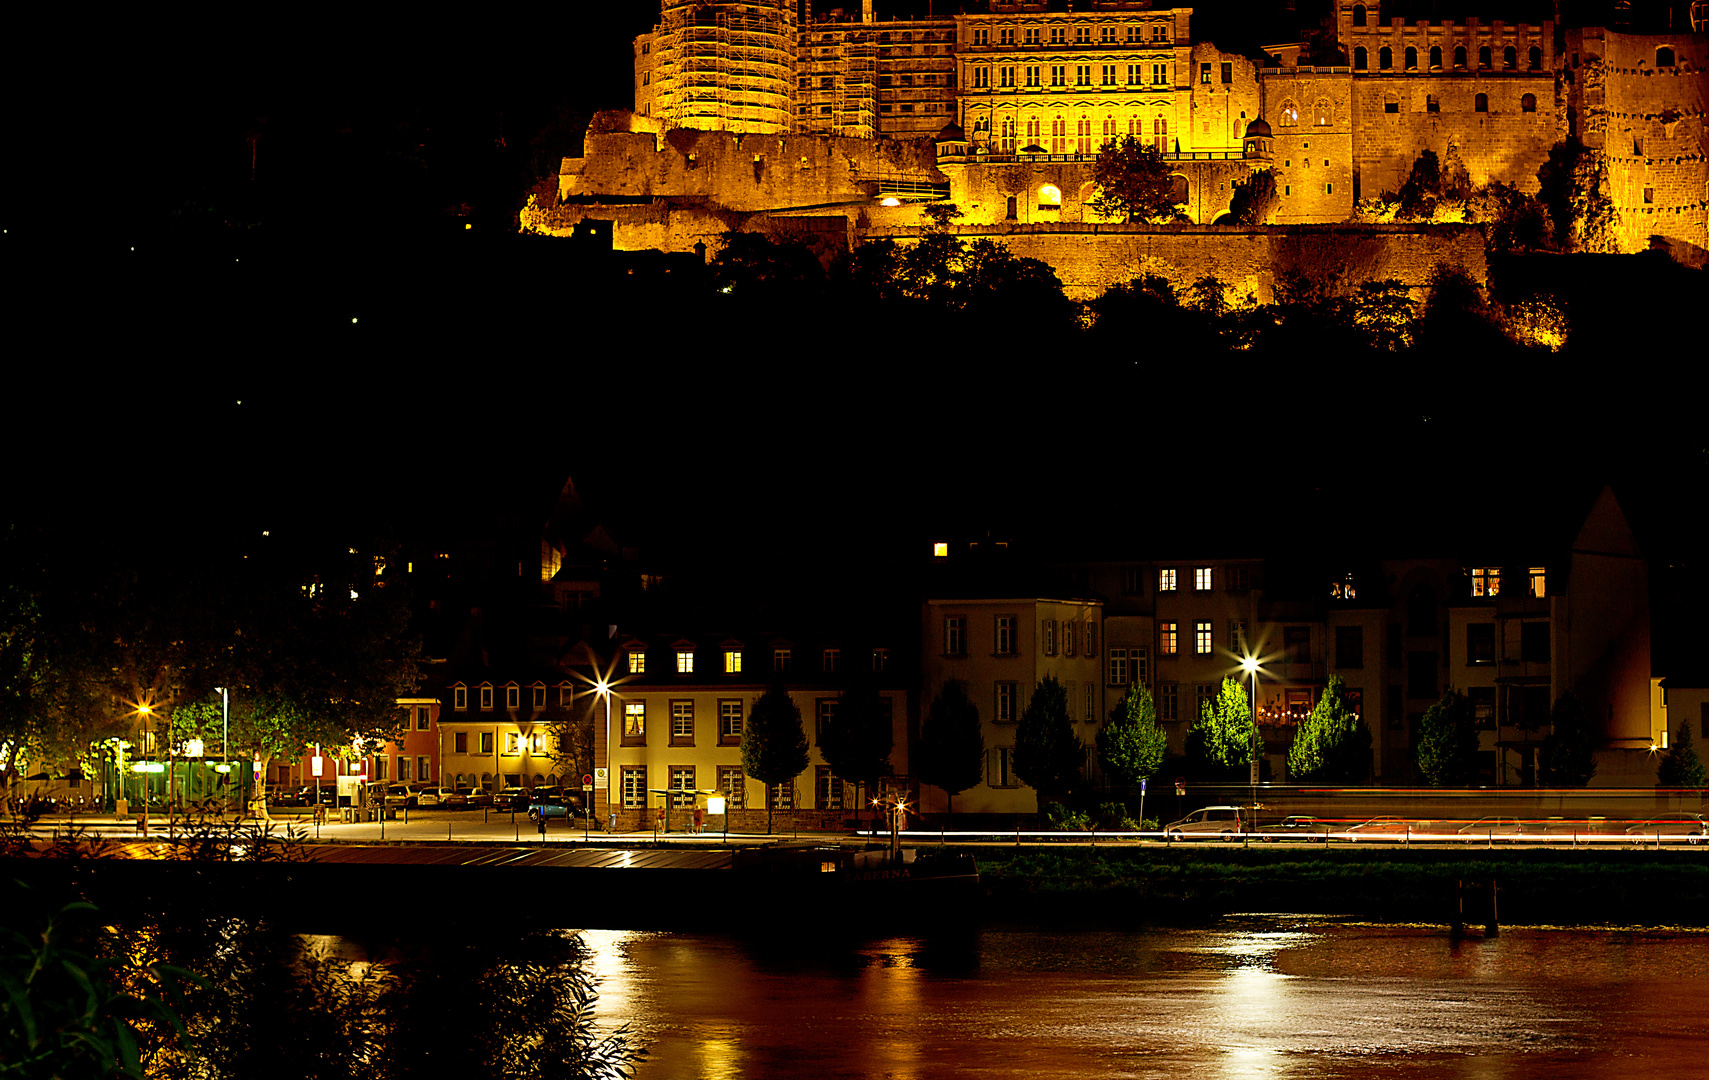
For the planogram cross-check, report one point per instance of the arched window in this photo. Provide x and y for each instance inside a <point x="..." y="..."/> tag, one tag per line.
<point x="1323" y="115"/>
<point x="1178" y="189"/>
<point x="1050" y="197"/>
<point x="1459" y="56"/>
<point x="1509" y="58"/>
<point x="1528" y="103"/>
<point x="1483" y="56"/>
<point x="1411" y="58"/>
<point x="1290" y="113"/>
<point x="1385" y="58"/>
<point x="1480" y="103"/>
<point x="1435" y="58"/>
<point x="1359" y="63"/>
<point x="1664" y="57"/>
<point x="1534" y="59"/>
<point x="1358" y="14"/>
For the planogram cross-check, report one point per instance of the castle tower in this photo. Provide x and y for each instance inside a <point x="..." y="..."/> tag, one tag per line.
<point x="721" y="66"/>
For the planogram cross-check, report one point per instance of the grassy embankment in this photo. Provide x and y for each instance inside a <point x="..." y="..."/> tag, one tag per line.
<point x="1535" y="886"/>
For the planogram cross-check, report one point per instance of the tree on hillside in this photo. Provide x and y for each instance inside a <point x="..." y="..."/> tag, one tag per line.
<point x="1680" y="767"/>
<point x="951" y="752"/>
<point x="1255" y="199"/>
<point x="774" y="745"/>
<point x="1448" y="742"/>
<point x="1133" y="183"/>
<point x="1048" y="755"/>
<point x="1573" y="184"/>
<point x="1332" y="744"/>
<point x="1225" y="723"/>
<point x="1568" y="756"/>
<point x="940" y="214"/>
<point x="1131" y="745"/>
<point x="856" y="740"/>
<point x="1381" y="312"/>
<point x="753" y="264"/>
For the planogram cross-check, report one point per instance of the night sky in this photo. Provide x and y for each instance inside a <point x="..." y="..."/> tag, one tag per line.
<point x="391" y="363"/>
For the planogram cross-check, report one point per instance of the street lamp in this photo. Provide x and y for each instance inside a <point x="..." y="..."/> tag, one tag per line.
<point x="225" y="744"/>
<point x="603" y="689"/>
<point x="144" y="768"/>
<point x="1249" y="664"/>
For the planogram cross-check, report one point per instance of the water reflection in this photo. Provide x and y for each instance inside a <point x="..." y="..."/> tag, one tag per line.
<point x="1251" y="1000"/>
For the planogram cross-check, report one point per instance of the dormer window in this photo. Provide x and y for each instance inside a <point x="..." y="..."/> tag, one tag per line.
<point x="512" y="696"/>
<point x="539" y="695"/>
<point x="460" y="697"/>
<point x="566" y="694"/>
<point x="685" y="661"/>
<point x="732" y="661"/>
<point x="486" y="690"/>
<point x="637" y="662"/>
<point x="1537" y="576"/>
<point x="831" y="658"/>
<point x="780" y="659"/>
<point x="880" y="659"/>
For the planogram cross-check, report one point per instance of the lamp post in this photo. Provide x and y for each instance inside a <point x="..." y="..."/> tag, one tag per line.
<point x="225" y="746"/>
<point x="141" y="767"/>
<point x="603" y="689"/>
<point x="1249" y="664"/>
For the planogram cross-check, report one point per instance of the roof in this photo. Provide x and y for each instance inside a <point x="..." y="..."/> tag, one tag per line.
<point x="1258" y="129"/>
<point x="952" y="133"/>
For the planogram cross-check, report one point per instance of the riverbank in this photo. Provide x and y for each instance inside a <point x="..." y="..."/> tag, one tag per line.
<point x="1189" y="885"/>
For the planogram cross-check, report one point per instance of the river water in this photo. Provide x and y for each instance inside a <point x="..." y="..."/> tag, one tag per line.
<point x="1251" y="998"/>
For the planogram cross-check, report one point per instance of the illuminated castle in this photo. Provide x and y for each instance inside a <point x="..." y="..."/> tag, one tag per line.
<point x="1002" y="106"/>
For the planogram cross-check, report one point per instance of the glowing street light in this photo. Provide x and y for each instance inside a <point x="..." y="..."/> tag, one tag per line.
<point x="1249" y="664"/>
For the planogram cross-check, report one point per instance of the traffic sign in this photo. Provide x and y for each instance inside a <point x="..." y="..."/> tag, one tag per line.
<point x="587" y="779"/>
<point x="599" y="776"/>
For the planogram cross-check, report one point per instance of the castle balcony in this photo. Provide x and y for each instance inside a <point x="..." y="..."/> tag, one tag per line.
<point x="980" y="157"/>
<point x="907" y="189"/>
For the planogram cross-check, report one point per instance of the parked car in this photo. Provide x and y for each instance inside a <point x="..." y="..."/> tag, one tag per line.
<point x="511" y="798"/>
<point x="1694" y="827"/>
<point x="284" y="796"/>
<point x="430" y="796"/>
<point x="551" y="806"/>
<point x="475" y="797"/>
<point x="1212" y="821"/>
<point x="402" y="795"/>
<point x="454" y="799"/>
<point x="1380" y="828"/>
<point x="1492" y="826"/>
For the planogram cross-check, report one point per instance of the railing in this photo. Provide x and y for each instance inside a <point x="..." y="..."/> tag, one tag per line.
<point x="1000" y="158"/>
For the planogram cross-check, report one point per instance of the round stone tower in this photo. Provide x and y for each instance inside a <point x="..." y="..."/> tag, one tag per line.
<point x="724" y="66"/>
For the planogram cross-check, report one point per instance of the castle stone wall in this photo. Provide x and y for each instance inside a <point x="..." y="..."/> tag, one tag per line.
<point x="1506" y="143"/>
<point x="741" y="172"/>
<point x="1090" y="258"/>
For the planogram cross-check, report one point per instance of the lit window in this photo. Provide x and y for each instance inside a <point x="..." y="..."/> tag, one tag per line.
<point x="1537" y="583"/>
<point x="1168" y="639"/>
<point x="634" y="719"/>
<point x="731" y="783"/>
<point x="1166" y="580"/>
<point x="1202" y="638"/>
<point x="1486" y="581"/>
<point x="940" y="550"/>
<point x="637" y="663"/>
<point x="682" y="782"/>
<point x="1205" y="74"/>
<point x="1201" y="579"/>
<point x="732" y="661"/>
<point x="634" y="789"/>
<point x="685" y="661"/>
<point x="512" y="743"/>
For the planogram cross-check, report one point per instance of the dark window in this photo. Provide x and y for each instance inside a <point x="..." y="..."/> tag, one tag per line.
<point x="1385" y="58"/>
<point x="1297" y="641"/>
<point x="1534" y="642"/>
<point x="1421" y="675"/>
<point x="1421" y="612"/>
<point x="1391" y="105"/>
<point x="1483" y="56"/>
<point x="1394" y="645"/>
<point x="1431" y="104"/>
<point x="1349" y="646"/>
<point x="1664" y="57"/>
<point x="1011" y="214"/>
<point x="1411" y="58"/>
<point x="1483" y="705"/>
<point x="1509" y="58"/>
<point x="1358" y="14"/>
<point x="1227" y="71"/>
<point x="1480" y="643"/>
<point x="1480" y="103"/>
<point x="1528" y="103"/>
<point x="1533" y="706"/>
<point x="1435" y="57"/>
<point x="1534" y="59"/>
<point x="1359" y="61"/>
<point x="1459" y="56"/>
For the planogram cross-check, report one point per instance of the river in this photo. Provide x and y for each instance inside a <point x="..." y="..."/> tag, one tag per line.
<point x="1251" y="997"/>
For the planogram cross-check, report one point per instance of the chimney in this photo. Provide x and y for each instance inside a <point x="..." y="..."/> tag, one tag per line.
<point x="865" y="11"/>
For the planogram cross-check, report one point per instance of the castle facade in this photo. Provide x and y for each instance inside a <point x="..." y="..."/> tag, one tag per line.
<point x="1042" y="84"/>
